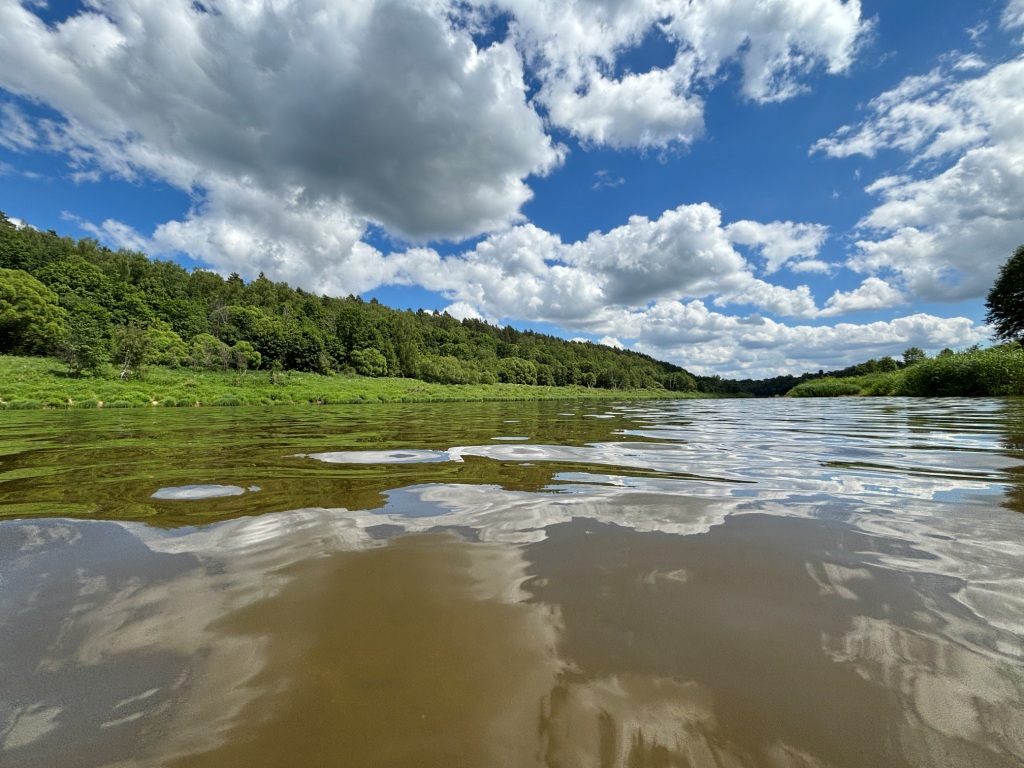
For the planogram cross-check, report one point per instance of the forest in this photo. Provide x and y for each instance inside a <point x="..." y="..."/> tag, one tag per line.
<point x="96" y="308"/>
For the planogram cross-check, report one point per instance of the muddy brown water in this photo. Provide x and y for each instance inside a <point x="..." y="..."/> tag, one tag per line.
<point x="699" y="583"/>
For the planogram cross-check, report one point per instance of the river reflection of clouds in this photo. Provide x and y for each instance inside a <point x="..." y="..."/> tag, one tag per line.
<point x="757" y="595"/>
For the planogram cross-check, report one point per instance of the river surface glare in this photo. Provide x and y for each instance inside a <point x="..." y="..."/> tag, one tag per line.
<point x="788" y="584"/>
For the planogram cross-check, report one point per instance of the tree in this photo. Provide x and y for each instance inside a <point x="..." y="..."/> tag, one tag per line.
<point x="680" y="381"/>
<point x="913" y="356"/>
<point x="515" y="370"/>
<point x="209" y="353"/>
<point x="1006" y="299"/>
<point x="165" y="346"/>
<point x="86" y="347"/>
<point x="369" y="362"/>
<point x="887" y="365"/>
<point x="130" y="347"/>
<point x="244" y="356"/>
<point x="31" y="321"/>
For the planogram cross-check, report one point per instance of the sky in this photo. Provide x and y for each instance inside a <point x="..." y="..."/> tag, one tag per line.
<point x="745" y="188"/>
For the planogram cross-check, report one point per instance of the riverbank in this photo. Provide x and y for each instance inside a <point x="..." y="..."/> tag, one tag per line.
<point x="36" y="382"/>
<point x="993" y="372"/>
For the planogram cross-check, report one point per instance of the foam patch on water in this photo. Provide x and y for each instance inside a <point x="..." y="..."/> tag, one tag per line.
<point x="192" y="492"/>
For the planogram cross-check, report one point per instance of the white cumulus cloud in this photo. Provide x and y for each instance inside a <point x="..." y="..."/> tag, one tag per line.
<point x="944" y="225"/>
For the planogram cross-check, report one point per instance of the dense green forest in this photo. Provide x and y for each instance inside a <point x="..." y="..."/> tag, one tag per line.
<point x="95" y="307"/>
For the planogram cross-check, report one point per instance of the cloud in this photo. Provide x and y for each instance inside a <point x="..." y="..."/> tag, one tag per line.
<point x="373" y="111"/>
<point x="944" y="225"/>
<point x="780" y="241"/>
<point x="526" y="273"/>
<point x="316" y="245"/>
<point x="873" y="293"/>
<point x="683" y="252"/>
<point x="711" y="343"/>
<point x="460" y="310"/>
<point x="605" y="180"/>
<point x="1013" y="15"/>
<point x="16" y="132"/>
<point x="776" y="42"/>
<point x="638" y="110"/>
<point x="575" y="47"/>
<point x="381" y="110"/>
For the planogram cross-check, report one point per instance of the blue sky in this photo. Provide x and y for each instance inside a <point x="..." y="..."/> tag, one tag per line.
<point x="743" y="187"/>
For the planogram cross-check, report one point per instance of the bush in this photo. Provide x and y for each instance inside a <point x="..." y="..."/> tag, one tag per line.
<point x="826" y="387"/>
<point x="976" y="373"/>
<point x="24" y="405"/>
<point x="119" y="404"/>
<point x="226" y="400"/>
<point x="882" y="385"/>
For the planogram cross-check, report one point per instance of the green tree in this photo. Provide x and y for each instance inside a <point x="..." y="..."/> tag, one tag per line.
<point x="244" y="356"/>
<point x="887" y="365"/>
<point x="515" y="370"/>
<point x="129" y="349"/>
<point x="165" y="346"/>
<point x="210" y="353"/>
<point x="31" y="320"/>
<point x="680" y="381"/>
<point x="86" y="347"/>
<point x="913" y="356"/>
<point x="1005" y="300"/>
<point x="369" y="362"/>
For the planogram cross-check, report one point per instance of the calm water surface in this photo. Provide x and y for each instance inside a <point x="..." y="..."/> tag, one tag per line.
<point x="790" y="584"/>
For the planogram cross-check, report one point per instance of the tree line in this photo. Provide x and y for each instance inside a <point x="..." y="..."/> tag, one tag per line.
<point x="96" y="308"/>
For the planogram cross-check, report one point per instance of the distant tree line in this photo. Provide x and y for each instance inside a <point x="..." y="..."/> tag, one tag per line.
<point x="96" y="307"/>
<point x="780" y="385"/>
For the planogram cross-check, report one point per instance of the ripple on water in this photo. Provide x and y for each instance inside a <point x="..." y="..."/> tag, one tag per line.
<point x="193" y="492"/>
<point x="377" y="457"/>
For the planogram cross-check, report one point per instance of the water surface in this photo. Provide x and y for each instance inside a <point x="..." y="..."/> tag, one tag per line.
<point x="698" y="583"/>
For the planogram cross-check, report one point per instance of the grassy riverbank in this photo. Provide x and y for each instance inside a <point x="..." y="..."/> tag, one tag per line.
<point x="35" y="382"/>
<point x="994" y="372"/>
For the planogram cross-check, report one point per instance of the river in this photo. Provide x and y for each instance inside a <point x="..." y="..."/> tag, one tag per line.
<point x="788" y="584"/>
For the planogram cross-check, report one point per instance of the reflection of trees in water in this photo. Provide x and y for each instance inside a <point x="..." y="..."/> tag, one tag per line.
<point x="766" y="642"/>
<point x="1013" y="442"/>
<point x="106" y="466"/>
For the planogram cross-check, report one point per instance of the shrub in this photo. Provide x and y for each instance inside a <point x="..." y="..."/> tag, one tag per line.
<point x="826" y="387"/>
<point x="24" y="405"/>
<point x="997" y="371"/>
<point x="226" y="400"/>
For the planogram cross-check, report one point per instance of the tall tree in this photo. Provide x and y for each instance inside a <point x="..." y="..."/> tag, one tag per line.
<point x="1006" y="299"/>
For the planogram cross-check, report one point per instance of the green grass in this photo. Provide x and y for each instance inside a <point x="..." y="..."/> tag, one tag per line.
<point x="34" y="382"/>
